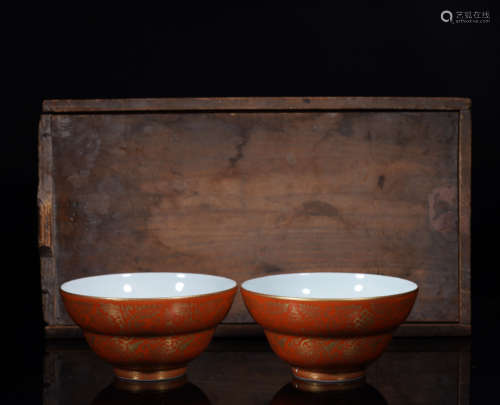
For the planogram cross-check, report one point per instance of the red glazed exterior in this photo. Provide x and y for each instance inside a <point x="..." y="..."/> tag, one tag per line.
<point x="329" y="340"/>
<point x="149" y="339"/>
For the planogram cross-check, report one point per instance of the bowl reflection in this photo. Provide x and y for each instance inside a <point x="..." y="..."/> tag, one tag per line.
<point x="178" y="391"/>
<point x="361" y="394"/>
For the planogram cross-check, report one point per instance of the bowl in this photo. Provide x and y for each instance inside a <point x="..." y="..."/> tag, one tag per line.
<point x="148" y="326"/>
<point x="329" y="326"/>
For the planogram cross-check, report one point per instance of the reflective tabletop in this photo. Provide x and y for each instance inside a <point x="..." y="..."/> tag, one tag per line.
<point x="239" y="371"/>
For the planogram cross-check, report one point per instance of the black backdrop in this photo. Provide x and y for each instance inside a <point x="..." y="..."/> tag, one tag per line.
<point x="398" y="49"/>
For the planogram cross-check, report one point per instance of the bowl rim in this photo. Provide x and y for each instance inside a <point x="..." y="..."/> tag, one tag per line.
<point x="63" y="292"/>
<point x="283" y="297"/>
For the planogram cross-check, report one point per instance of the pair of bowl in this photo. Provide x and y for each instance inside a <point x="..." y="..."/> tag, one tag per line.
<point x="327" y="326"/>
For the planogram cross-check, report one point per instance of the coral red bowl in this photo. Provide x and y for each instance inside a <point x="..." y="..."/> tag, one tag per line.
<point x="329" y="326"/>
<point x="148" y="325"/>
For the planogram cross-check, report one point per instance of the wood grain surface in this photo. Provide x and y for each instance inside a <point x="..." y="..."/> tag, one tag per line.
<point x="249" y="193"/>
<point x="256" y="103"/>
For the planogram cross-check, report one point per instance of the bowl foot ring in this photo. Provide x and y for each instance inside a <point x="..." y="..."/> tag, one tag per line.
<point x="148" y="376"/>
<point x="142" y="386"/>
<point x="328" y="378"/>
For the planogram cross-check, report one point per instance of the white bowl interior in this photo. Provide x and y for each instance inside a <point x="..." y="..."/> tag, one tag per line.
<point x="148" y="285"/>
<point x="329" y="285"/>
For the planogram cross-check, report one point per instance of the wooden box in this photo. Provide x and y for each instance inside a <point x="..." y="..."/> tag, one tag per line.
<point x="244" y="187"/>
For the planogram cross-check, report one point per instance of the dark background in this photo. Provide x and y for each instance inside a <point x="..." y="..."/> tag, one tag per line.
<point x="387" y="49"/>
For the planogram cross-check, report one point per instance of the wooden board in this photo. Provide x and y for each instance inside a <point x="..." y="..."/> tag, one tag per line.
<point x="248" y="187"/>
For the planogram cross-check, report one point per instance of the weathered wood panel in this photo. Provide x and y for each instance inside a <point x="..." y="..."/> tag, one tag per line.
<point x="244" y="194"/>
<point x="256" y="103"/>
<point x="47" y="225"/>
<point x="465" y="156"/>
